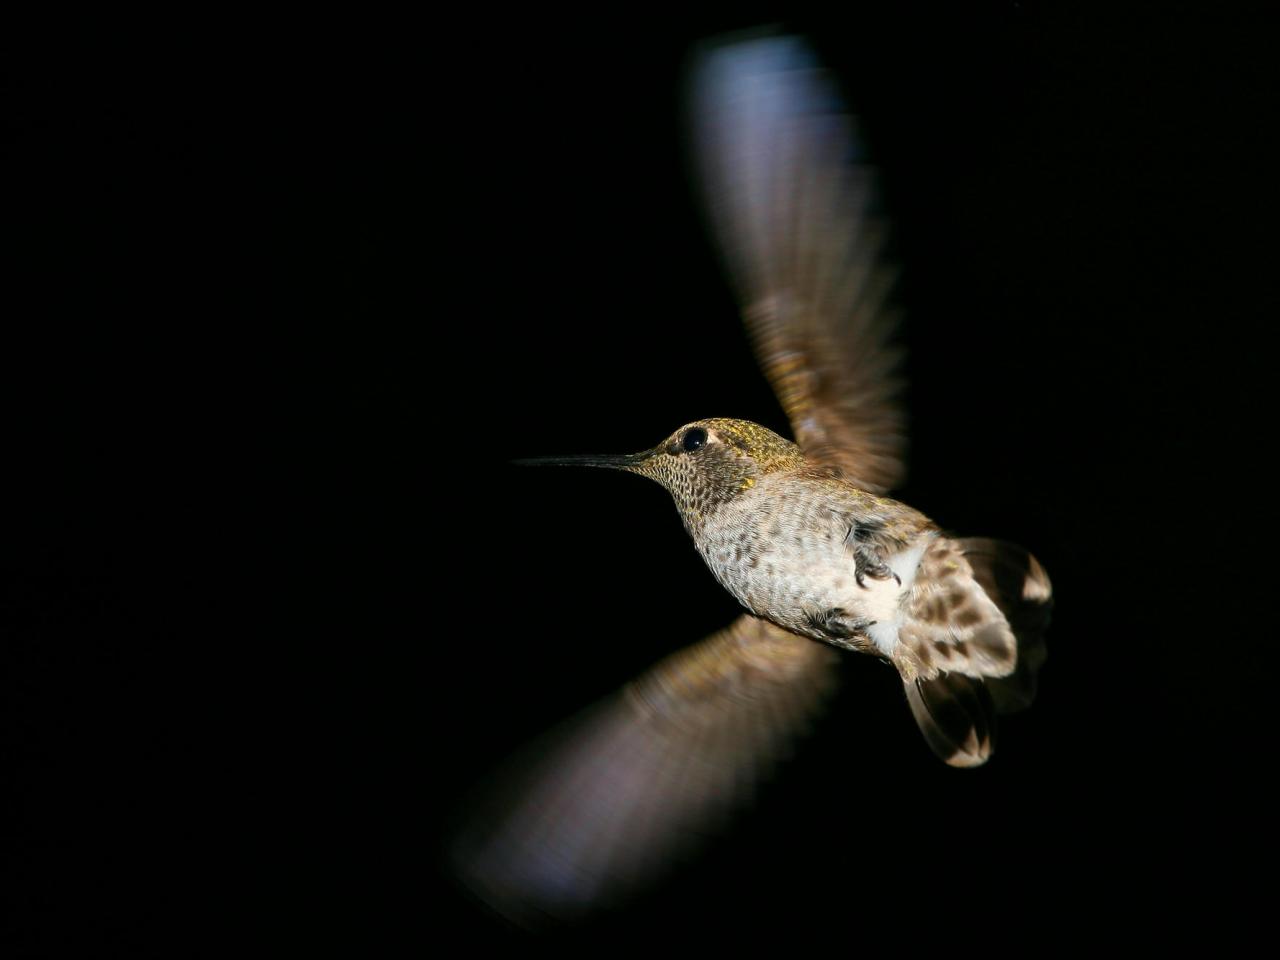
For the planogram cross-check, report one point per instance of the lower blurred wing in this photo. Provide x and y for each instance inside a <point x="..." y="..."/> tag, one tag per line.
<point x="636" y="779"/>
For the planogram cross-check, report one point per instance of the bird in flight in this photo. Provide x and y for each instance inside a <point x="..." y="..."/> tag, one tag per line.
<point x="801" y="533"/>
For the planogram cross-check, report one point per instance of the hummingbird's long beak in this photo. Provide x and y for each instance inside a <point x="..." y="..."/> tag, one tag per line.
<point x="625" y="461"/>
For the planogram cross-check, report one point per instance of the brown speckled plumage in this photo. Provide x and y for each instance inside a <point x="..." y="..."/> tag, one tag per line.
<point x="774" y="530"/>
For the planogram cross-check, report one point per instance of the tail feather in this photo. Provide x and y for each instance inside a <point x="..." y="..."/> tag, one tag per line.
<point x="956" y="716"/>
<point x="1014" y="579"/>
<point x="973" y="643"/>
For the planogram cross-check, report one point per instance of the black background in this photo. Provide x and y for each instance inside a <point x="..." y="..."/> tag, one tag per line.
<point x="288" y="297"/>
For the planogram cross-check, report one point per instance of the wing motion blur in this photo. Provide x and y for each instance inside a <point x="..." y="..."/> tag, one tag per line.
<point x="640" y="777"/>
<point x="790" y="205"/>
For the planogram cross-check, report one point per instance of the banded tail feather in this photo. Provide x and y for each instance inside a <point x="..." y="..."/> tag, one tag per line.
<point x="972" y="643"/>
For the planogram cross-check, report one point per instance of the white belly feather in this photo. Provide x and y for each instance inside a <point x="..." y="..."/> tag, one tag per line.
<point x="881" y="601"/>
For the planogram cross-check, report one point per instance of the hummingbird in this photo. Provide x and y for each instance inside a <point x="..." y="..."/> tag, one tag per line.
<point x="800" y="532"/>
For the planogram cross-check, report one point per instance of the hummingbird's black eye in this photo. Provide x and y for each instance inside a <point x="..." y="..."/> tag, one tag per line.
<point x="694" y="439"/>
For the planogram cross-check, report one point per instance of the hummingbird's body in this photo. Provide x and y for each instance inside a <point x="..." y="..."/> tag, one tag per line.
<point x="795" y="544"/>
<point x="801" y="534"/>
<point x="787" y="550"/>
<point x="807" y="549"/>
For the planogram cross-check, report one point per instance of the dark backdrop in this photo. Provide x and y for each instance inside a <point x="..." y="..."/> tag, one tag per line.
<point x="287" y="298"/>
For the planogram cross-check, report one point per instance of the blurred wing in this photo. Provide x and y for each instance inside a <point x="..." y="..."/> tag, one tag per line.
<point x="789" y="200"/>
<point x="637" y="778"/>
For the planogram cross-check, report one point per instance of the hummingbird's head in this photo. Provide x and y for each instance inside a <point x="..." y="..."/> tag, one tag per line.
<point x="705" y="463"/>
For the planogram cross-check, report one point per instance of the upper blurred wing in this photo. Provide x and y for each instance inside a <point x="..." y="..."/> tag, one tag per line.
<point x="620" y="789"/>
<point x="789" y="202"/>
